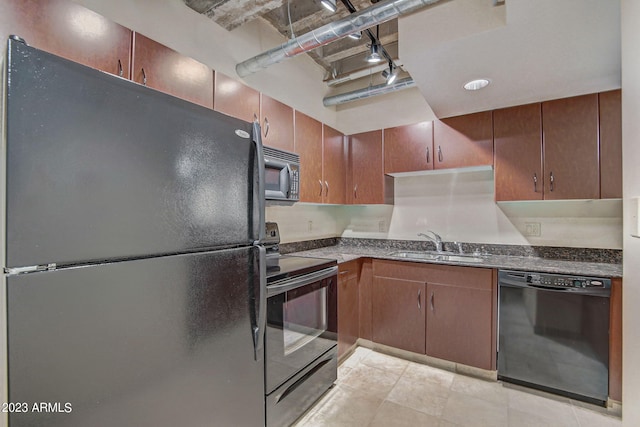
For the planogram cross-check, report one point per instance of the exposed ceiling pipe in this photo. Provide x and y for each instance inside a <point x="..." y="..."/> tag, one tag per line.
<point x="360" y="21"/>
<point x="368" y="92"/>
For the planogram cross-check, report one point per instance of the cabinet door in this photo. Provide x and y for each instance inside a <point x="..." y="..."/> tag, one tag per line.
<point x="365" y="286"/>
<point x="615" y="340"/>
<point x="463" y="141"/>
<point x="571" y="166"/>
<point x="334" y="166"/>
<point x="518" y="153"/>
<point x="67" y="29"/>
<point x="408" y="148"/>
<point x="398" y="314"/>
<point x="164" y="69"/>
<point x="610" y="144"/>
<point x="348" y="314"/>
<point x="459" y="324"/>
<point x="235" y="99"/>
<point x="276" y="120"/>
<point x="366" y="168"/>
<point x="308" y="144"/>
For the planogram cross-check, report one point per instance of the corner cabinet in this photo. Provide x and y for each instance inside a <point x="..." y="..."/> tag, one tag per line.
<point x="308" y="144"/>
<point x="348" y="304"/>
<point x="67" y="29"/>
<point x="463" y="141"/>
<point x="367" y="180"/>
<point x="408" y="148"/>
<point x="610" y="104"/>
<point x="334" y="166"/>
<point x="164" y="69"/>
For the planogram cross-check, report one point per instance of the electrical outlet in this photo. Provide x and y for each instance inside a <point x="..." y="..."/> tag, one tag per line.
<point x="381" y="226"/>
<point x="310" y="226"/>
<point x="532" y="229"/>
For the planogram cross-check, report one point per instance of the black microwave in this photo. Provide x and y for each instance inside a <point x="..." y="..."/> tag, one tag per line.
<point x="281" y="175"/>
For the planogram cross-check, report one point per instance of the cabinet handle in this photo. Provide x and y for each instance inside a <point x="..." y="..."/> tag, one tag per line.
<point x="326" y="191"/>
<point x="266" y="127"/>
<point x="144" y="77"/>
<point x="439" y="154"/>
<point x="419" y="293"/>
<point x="343" y="272"/>
<point x="355" y="192"/>
<point x="427" y="154"/>
<point x="535" y="183"/>
<point x="120" y="70"/>
<point x="551" y="181"/>
<point x="431" y="301"/>
<point x="320" y="182"/>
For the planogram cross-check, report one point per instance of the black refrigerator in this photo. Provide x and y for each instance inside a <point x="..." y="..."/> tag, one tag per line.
<point x="135" y="278"/>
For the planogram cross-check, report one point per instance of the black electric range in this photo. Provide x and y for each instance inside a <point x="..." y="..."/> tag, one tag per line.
<point x="286" y="266"/>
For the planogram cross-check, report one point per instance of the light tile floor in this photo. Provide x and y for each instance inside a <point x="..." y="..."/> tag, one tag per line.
<point x="375" y="389"/>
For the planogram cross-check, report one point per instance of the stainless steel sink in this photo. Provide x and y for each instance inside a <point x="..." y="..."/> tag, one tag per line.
<point x="436" y="256"/>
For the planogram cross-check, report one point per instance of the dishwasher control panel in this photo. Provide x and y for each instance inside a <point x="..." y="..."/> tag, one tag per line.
<point x="566" y="281"/>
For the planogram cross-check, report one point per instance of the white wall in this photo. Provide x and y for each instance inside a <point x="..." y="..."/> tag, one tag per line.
<point x="631" y="181"/>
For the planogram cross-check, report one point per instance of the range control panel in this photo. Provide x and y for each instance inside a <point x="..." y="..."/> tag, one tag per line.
<point x="565" y="281"/>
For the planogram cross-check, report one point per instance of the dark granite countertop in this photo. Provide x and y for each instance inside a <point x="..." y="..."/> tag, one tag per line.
<point x="382" y="250"/>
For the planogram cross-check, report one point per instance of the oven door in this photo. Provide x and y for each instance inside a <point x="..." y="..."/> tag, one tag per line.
<point x="301" y="323"/>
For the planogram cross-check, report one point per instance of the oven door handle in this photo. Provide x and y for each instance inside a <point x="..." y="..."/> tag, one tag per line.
<point x="286" y="285"/>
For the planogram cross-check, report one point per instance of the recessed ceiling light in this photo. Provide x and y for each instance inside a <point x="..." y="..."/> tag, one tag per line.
<point x="476" y="84"/>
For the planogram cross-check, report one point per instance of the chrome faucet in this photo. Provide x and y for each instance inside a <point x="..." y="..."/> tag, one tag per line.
<point x="436" y="239"/>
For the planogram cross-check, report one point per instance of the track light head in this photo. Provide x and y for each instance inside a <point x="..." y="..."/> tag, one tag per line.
<point x="373" y="56"/>
<point x="330" y="5"/>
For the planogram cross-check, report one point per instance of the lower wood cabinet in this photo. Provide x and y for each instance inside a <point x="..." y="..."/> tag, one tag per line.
<point x="447" y="312"/>
<point x="460" y="317"/>
<point x="348" y="306"/>
<point x="398" y="315"/>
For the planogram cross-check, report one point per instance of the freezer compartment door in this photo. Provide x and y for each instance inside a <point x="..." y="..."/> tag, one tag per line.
<point x="102" y="168"/>
<point x="154" y="342"/>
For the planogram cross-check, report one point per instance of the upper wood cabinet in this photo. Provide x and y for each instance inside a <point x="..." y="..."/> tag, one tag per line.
<point x="408" y="148"/>
<point x="276" y="120"/>
<point x="235" y="99"/>
<point x="164" y="69"/>
<point x="308" y="144"/>
<point x="334" y="166"/>
<point x="67" y="29"/>
<point x="570" y="132"/>
<point x="463" y="141"/>
<point x="367" y="177"/>
<point x="518" y="153"/>
<point x="610" y="144"/>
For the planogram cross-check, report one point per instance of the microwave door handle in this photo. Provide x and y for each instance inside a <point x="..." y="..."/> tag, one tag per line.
<point x="289" y="180"/>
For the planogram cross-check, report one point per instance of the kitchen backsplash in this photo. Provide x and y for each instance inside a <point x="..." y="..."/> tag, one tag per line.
<point x="460" y="207"/>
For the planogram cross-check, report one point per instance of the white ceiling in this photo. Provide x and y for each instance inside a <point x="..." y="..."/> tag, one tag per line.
<point x="531" y="50"/>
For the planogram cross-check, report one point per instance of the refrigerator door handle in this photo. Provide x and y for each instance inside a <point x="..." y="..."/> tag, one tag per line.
<point x="261" y="311"/>
<point x="261" y="185"/>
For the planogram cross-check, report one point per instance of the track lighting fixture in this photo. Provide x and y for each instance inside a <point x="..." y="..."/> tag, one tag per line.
<point x="373" y="56"/>
<point x="356" y="36"/>
<point x="391" y="73"/>
<point x="330" y="5"/>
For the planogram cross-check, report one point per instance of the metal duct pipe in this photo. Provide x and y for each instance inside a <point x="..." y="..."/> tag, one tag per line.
<point x="360" y="21"/>
<point x="368" y="92"/>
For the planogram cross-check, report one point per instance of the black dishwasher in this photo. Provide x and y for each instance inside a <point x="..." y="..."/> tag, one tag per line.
<point x="554" y="333"/>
